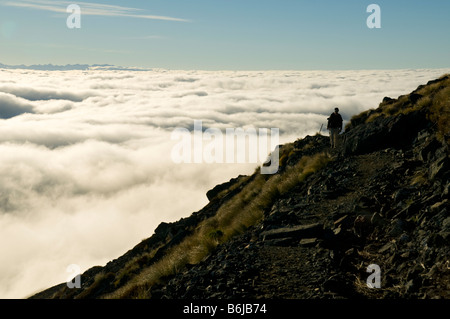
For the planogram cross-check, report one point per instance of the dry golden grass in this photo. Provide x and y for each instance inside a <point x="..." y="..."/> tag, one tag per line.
<point x="396" y="107"/>
<point x="362" y="289"/>
<point x="99" y="279"/>
<point x="358" y="118"/>
<point x="440" y="111"/>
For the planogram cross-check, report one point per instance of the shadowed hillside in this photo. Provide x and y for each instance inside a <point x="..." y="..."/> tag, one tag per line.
<point x="312" y="229"/>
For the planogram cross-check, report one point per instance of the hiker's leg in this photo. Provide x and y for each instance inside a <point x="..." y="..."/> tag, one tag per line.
<point x="336" y="138"/>
<point x="331" y="137"/>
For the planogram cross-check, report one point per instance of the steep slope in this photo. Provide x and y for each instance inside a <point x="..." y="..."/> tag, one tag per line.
<point x="312" y="229"/>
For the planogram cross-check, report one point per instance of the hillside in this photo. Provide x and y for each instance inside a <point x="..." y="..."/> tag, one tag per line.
<point x="312" y="229"/>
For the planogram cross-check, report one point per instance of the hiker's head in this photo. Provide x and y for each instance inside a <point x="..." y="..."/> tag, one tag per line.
<point x="336" y="110"/>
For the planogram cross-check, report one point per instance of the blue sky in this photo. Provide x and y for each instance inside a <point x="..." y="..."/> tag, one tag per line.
<point x="231" y="34"/>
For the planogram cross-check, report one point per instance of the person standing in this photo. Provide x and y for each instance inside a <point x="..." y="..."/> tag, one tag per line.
<point x="335" y="127"/>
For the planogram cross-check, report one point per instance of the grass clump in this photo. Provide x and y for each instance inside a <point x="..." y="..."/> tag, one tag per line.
<point x="440" y="112"/>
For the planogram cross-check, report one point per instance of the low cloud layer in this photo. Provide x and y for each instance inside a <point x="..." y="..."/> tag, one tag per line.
<point x="85" y="166"/>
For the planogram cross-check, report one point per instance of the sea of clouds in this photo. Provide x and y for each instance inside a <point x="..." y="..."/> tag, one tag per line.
<point x="85" y="156"/>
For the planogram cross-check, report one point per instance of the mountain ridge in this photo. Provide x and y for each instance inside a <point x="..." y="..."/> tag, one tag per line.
<point x="71" y="67"/>
<point x="312" y="229"/>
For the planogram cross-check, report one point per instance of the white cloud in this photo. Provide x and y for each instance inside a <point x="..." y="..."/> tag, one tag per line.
<point x="85" y="165"/>
<point x="89" y="8"/>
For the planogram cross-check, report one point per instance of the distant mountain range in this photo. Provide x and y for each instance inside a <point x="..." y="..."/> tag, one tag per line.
<point x="69" y="67"/>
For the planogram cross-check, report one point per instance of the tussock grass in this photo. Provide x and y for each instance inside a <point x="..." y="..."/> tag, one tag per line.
<point x="233" y="218"/>
<point x="440" y="111"/>
<point x="286" y="151"/>
<point x="132" y="267"/>
<point x="361" y="288"/>
<point x="99" y="280"/>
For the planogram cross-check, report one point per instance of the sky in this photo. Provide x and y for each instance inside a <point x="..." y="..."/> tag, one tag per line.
<point x="228" y="35"/>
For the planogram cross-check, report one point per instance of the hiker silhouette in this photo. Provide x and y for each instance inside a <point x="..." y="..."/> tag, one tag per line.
<point x="335" y="127"/>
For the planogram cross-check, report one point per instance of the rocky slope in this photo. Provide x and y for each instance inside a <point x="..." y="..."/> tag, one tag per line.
<point x="380" y="198"/>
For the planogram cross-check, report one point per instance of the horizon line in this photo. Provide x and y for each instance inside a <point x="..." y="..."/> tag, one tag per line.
<point x="141" y="68"/>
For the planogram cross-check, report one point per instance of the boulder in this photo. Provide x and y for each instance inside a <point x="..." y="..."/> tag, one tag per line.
<point x="211" y="194"/>
<point x="308" y="242"/>
<point x="429" y="149"/>
<point x="398" y="132"/>
<point x="302" y="231"/>
<point x="414" y="97"/>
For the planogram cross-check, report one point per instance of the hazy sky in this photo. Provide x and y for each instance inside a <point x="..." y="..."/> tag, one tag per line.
<point x="232" y="34"/>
